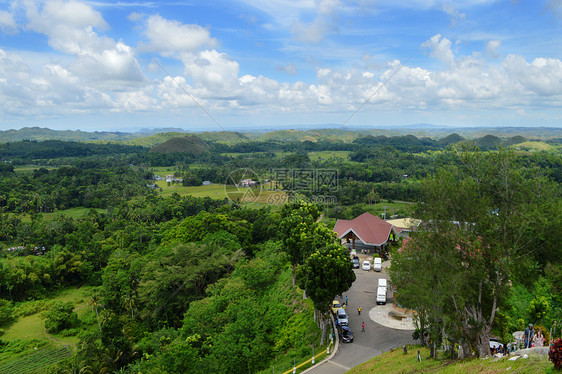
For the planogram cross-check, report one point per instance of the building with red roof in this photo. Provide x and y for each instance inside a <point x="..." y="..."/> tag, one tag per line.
<point x="369" y="229"/>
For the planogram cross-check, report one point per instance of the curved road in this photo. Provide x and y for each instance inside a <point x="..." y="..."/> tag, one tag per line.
<point x="376" y="339"/>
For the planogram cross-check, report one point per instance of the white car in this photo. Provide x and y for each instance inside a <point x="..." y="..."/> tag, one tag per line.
<point x="366" y="265"/>
<point x="383" y="283"/>
<point x="377" y="264"/>
<point x="381" y="295"/>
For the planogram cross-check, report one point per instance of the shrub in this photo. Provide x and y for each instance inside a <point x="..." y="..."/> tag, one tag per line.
<point x="6" y="312"/>
<point x="61" y="317"/>
<point x="555" y="354"/>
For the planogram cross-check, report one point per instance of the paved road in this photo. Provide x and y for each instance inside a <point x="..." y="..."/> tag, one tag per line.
<point x="376" y="338"/>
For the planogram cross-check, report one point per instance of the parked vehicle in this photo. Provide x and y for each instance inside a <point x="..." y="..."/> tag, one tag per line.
<point x="383" y="283"/>
<point x="341" y="316"/>
<point x="356" y="262"/>
<point x="345" y="334"/>
<point x="377" y="264"/>
<point x="381" y="295"/>
<point x="335" y="306"/>
<point x="366" y="265"/>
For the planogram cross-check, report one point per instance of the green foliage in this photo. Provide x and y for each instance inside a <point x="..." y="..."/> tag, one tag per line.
<point x="175" y="276"/>
<point x="194" y="229"/>
<point x="243" y="323"/>
<point x="60" y="317"/>
<point x="326" y="273"/>
<point x="539" y="308"/>
<point x="495" y="203"/>
<point x="6" y="312"/>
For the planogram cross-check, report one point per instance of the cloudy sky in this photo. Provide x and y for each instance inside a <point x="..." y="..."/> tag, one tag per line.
<point x="109" y="65"/>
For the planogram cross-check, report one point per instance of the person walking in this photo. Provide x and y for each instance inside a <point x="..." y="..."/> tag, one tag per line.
<point x="359" y="310"/>
<point x="528" y="336"/>
<point x="346" y="301"/>
<point x="363" y="329"/>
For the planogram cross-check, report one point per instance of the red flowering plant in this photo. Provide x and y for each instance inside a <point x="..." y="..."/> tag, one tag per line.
<point x="555" y="353"/>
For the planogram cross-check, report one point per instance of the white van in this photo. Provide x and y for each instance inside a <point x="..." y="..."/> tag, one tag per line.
<point x="383" y="283"/>
<point x="381" y="295"/>
<point x="377" y="264"/>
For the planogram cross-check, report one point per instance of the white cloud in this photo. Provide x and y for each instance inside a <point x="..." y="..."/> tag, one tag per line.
<point x="542" y="76"/>
<point x="7" y="22"/>
<point x="212" y="71"/>
<point x="70" y="27"/>
<point x="170" y="37"/>
<point x="440" y="48"/>
<point x="323" y="22"/>
<point x="492" y="48"/>
<point x="453" y="13"/>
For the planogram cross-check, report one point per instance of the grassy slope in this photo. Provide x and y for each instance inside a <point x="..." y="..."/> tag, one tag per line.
<point x="32" y="327"/>
<point x="396" y="362"/>
<point x="75" y="213"/>
<point x="534" y="145"/>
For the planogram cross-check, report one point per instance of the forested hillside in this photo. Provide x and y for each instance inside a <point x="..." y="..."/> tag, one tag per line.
<point x="101" y="253"/>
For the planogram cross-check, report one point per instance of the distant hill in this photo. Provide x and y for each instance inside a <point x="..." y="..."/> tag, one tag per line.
<point x="39" y="133"/>
<point x="32" y="149"/>
<point x="515" y="140"/>
<point x="488" y="142"/>
<point x="229" y="137"/>
<point x="450" y="139"/>
<point x="186" y="144"/>
<point x="534" y="146"/>
<point x="151" y="141"/>
<point x="150" y="138"/>
<point x="289" y="136"/>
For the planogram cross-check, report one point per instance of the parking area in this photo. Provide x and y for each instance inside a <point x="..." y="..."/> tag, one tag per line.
<point x="381" y="333"/>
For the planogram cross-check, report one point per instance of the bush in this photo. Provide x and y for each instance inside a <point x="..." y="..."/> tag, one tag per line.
<point x="61" y="317"/>
<point x="555" y="354"/>
<point x="6" y="312"/>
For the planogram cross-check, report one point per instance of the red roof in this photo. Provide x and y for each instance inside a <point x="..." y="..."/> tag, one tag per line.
<point x="370" y="229"/>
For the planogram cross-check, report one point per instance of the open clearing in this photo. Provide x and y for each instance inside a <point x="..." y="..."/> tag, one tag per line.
<point x="250" y="196"/>
<point x="33" y="326"/>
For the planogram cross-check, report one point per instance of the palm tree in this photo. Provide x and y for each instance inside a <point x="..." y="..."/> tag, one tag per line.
<point x="129" y="303"/>
<point x="95" y="303"/>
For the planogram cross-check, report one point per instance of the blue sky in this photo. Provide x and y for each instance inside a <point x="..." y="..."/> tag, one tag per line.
<point x="104" y="65"/>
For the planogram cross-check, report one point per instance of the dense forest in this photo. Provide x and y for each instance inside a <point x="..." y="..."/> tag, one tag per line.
<point x="168" y="282"/>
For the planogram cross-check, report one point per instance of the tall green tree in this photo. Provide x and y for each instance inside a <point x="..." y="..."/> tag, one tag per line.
<point x="298" y="223"/>
<point x="482" y="221"/>
<point x="326" y="273"/>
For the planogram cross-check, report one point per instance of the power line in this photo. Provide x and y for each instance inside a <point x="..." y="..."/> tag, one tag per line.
<point x="377" y="90"/>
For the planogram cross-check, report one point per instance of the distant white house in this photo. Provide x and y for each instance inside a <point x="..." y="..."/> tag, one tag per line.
<point x="247" y="183"/>
<point x="158" y="178"/>
<point x="206" y="183"/>
<point x="170" y="178"/>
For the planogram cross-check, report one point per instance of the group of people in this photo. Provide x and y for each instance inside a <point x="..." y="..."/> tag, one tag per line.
<point x="502" y="349"/>
<point x="532" y="339"/>
<point x="529" y="339"/>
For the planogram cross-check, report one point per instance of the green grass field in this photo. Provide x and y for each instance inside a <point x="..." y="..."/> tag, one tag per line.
<point x="164" y="170"/>
<point x="248" y="196"/>
<point x="30" y="168"/>
<point x="70" y="213"/>
<point x="326" y="155"/>
<point x="33" y="326"/>
<point x="395" y="362"/>
<point x="39" y="349"/>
